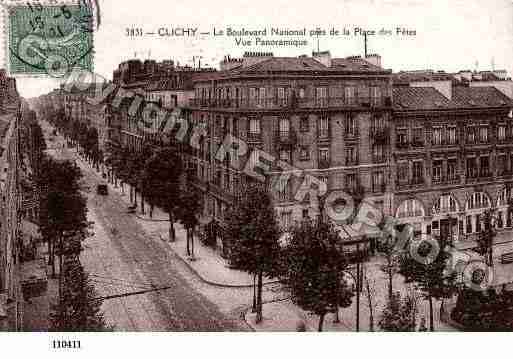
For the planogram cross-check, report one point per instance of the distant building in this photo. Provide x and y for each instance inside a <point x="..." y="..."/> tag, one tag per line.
<point x="11" y="298"/>
<point x="163" y="83"/>
<point x="453" y="156"/>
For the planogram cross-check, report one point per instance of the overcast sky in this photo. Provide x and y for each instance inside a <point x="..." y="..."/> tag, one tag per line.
<point x="450" y="35"/>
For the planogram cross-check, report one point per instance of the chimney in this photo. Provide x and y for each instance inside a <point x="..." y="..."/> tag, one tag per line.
<point x="324" y="57"/>
<point x="374" y="59"/>
<point x="229" y="63"/>
<point x="251" y="57"/>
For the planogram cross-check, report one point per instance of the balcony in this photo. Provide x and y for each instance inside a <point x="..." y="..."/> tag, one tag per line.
<point x="351" y="135"/>
<point x="254" y="137"/>
<point x="286" y="137"/>
<point x="479" y="177"/>
<point x="417" y="144"/>
<point x="379" y="188"/>
<point x="324" y="133"/>
<point x="379" y="159"/>
<point x="351" y="161"/>
<point x="402" y="145"/>
<point x="324" y="163"/>
<point x="446" y="180"/>
<point x="291" y="101"/>
<point x="415" y="183"/>
<point x="380" y="135"/>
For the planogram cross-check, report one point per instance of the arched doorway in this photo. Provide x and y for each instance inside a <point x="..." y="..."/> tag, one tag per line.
<point x="503" y="197"/>
<point x="476" y="204"/>
<point x="446" y="217"/>
<point x="411" y="211"/>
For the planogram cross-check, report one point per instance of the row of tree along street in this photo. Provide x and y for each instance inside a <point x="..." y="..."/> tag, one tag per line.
<point x="63" y="225"/>
<point x="311" y="264"/>
<point x="154" y="172"/>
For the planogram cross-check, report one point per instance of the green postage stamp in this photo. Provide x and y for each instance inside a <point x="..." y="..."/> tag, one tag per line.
<point x="49" y="40"/>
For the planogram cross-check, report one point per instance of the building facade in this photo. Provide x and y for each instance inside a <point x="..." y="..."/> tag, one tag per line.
<point x="453" y="158"/>
<point x="11" y="298"/>
<point x="325" y="116"/>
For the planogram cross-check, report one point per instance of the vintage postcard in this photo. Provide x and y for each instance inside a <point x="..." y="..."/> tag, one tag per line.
<point x="336" y="166"/>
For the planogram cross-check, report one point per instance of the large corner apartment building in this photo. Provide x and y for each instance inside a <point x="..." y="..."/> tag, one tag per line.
<point x="326" y="116"/>
<point x="430" y="148"/>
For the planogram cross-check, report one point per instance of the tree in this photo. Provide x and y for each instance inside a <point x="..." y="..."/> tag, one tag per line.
<point x="187" y="214"/>
<point x="161" y="176"/>
<point x="313" y="270"/>
<point x="253" y="237"/>
<point x="425" y="265"/>
<point x="484" y="310"/>
<point x="486" y="237"/>
<point x="63" y="208"/>
<point x="397" y="316"/>
<point x="371" y="294"/>
<point x="387" y="246"/>
<point x="78" y="309"/>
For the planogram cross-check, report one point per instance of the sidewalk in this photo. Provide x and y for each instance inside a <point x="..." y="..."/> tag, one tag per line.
<point x="285" y="316"/>
<point x="208" y="265"/>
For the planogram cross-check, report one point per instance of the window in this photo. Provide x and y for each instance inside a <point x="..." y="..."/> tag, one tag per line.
<point x="324" y="126"/>
<point x="437" y="136"/>
<point x="410" y="208"/>
<point x="452" y="164"/>
<point x="445" y="204"/>
<point x="324" y="158"/>
<point x="304" y="153"/>
<point x="502" y="164"/>
<point x="484" y="166"/>
<point x="349" y="94"/>
<point x="235" y="127"/>
<point x="304" y="125"/>
<point x="286" y="219"/>
<point x="471" y="134"/>
<point x="471" y="167"/>
<point x="483" y="134"/>
<point x="451" y="135"/>
<point x="254" y="126"/>
<point x="478" y="200"/>
<point x="501" y="132"/>
<point x="469" y="224"/>
<point x="418" y="136"/>
<point x="378" y="124"/>
<point x="284" y="127"/>
<point x="437" y="170"/>
<point x="378" y="153"/>
<point x="261" y="96"/>
<point x="378" y="182"/>
<point x="285" y="156"/>
<point x="402" y="172"/>
<point x="351" y="181"/>
<point x="305" y="213"/>
<point x="321" y="96"/>
<point x="283" y="190"/>
<point x="418" y="172"/>
<point x="351" y="156"/>
<point x="301" y="93"/>
<point x="375" y="95"/>
<point x="402" y="137"/>
<point x="351" y="126"/>
<point x="227" y="180"/>
<point x="282" y="100"/>
<point x="478" y="223"/>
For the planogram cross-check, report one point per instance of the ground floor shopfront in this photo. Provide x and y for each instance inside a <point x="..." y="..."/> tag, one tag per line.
<point x="455" y="214"/>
